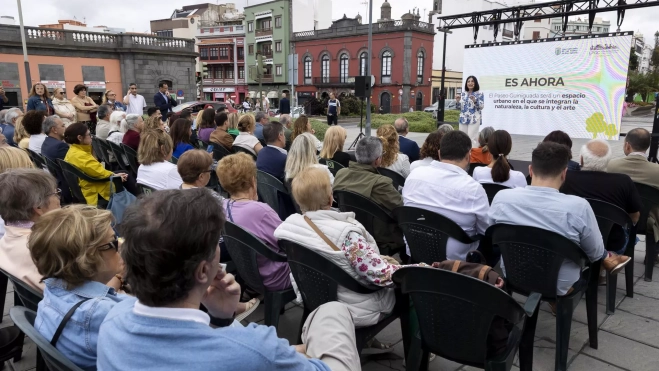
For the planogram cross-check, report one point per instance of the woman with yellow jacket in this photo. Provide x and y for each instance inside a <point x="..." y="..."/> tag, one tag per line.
<point x="80" y="156"/>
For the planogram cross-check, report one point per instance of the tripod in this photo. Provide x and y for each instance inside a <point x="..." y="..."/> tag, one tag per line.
<point x="361" y="130"/>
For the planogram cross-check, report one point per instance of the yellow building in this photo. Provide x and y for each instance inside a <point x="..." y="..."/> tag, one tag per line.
<point x="452" y="84"/>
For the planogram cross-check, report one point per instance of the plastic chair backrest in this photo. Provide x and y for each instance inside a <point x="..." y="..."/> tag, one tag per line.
<point x="219" y="152"/>
<point x="492" y="189"/>
<point x="104" y="150"/>
<point x="455" y="311"/>
<point x="243" y="248"/>
<point x="119" y="154"/>
<point x="201" y="144"/>
<point x="533" y="257"/>
<point x="53" y="167"/>
<point x="366" y="211"/>
<point x="272" y="191"/>
<point x="649" y="200"/>
<point x="332" y="165"/>
<point x="36" y="159"/>
<point x="30" y="297"/>
<point x="97" y="149"/>
<point x="397" y="179"/>
<point x="609" y="215"/>
<point x="238" y="149"/>
<point x="132" y="157"/>
<point x="73" y="182"/>
<point x="427" y="233"/>
<point x="145" y="189"/>
<point x="521" y="166"/>
<point x="317" y="277"/>
<point x="55" y="361"/>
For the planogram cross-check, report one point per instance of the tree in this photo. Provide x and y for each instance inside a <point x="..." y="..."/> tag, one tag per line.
<point x="643" y="83"/>
<point x="633" y="60"/>
<point x="595" y="124"/>
<point x="654" y="60"/>
<point x="611" y="131"/>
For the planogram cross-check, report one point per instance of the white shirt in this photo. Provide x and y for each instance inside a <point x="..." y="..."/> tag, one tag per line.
<point x="159" y="175"/>
<point x="181" y="314"/>
<point x="246" y="140"/>
<point x="483" y="174"/>
<point x="448" y="190"/>
<point x="136" y="104"/>
<point x="279" y="149"/>
<point x="425" y="162"/>
<point x="401" y="165"/>
<point x="36" y="141"/>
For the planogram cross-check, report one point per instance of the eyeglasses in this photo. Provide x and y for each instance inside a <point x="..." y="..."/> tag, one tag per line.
<point x="110" y="245"/>
<point x="57" y="193"/>
<point x="111" y="95"/>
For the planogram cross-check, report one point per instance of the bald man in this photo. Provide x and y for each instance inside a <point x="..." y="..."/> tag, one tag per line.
<point x="595" y="183"/>
<point x="407" y="146"/>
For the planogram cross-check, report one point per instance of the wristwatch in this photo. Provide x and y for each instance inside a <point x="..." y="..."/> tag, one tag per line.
<point x="221" y="322"/>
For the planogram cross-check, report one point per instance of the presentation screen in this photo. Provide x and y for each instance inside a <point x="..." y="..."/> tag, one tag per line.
<point x="577" y="85"/>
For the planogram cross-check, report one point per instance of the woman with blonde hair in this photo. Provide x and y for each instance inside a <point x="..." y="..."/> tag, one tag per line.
<point x="301" y="156"/>
<point x="303" y="125"/>
<point x="153" y="154"/>
<point x="154" y="123"/>
<point x="21" y="137"/>
<point x="233" y="124"/>
<point x="39" y="99"/>
<point x="63" y="107"/>
<point x="246" y="138"/>
<point x="392" y="158"/>
<point x="335" y="139"/>
<point x="77" y="253"/>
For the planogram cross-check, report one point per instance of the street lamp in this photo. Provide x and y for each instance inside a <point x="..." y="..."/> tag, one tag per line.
<point x="442" y="96"/>
<point x="27" y="64"/>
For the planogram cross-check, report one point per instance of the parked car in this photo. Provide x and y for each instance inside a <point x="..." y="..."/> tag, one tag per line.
<point x="198" y="106"/>
<point x="295" y="112"/>
<point x="449" y="104"/>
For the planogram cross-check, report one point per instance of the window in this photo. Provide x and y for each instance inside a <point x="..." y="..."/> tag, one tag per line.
<point x="278" y="22"/>
<point x="165" y="33"/>
<point x="420" y="58"/>
<point x="266" y="50"/>
<point x="217" y="72"/>
<point x="229" y="72"/>
<point x="324" y="68"/>
<point x="266" y="24"/>
<point x="536" y="35"/>
<point x="307" y="70"/>
<point x="241" y="53"/>
<point x="278" y="46"/>
<point x="343" y="68"/>
<point x="362" y="63"/>
<point x="250" y="26"/>
<point x="214" y="52"/>
<point x="278" y="70"/>
<point x="203" y="53"/>
<point x="241" y="72"/>
<point x="224" y="52"/>
<point x="386" y="67"/>
<point x="250" y="49"/>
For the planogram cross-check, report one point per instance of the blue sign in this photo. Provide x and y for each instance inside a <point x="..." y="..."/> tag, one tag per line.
<point x="179" y="93"/>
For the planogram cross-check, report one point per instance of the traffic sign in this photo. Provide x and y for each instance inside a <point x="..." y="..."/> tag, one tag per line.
<point x="179" y="93"/>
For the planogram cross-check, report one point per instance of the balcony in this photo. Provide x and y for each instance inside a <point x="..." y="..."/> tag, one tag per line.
<point x="263" y="32"/>
<point x="208" y="31"/>
<point x="268" y="78"/>
<point x="263" y="14"/>
<point x="362" y="29"/>
<point x="333" y="81"/>
<point x="266" y="53"/>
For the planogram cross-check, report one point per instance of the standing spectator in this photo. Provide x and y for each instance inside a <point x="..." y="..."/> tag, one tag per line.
<point x="272" y="158"/>
<point x="135" y="103"/>
<point x="498" y="171"/>
<point x="287" y="121"/>
<point x="163" y="100"/>
<point x="392" y="158"/>
<point x="154" y="155"/>
<point x="481" y="154"/>
<point x="85" y="107"/>
<point x="429" y="150"/>
<point x="560" y="137"/>
<point x="110" y="97"/>
<point x="284" y="105"/>
<point x="220" y="136"/>
<point x="20" y="135"/>
<point x="333" y="110"/>
<point x="261" y="118"/>
<point x="63" y="107"/>
<point x="407" y="146"/>
<point x="207" y="124"/>
<point x="135" y="125"/>
<point x="246" y="138"/>
<point x="103" y="125"/>
<point x="335" y="139"/>
<point x="303" y="125"/>
<point x="39" y="99"/>
<point x="11" y="117"/>
<point x="33" y="124"/>
<point x="180" y="133"/>
<point x="3" y="98"/>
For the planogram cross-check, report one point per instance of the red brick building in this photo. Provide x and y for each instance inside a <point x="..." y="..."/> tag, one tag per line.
<point x="402" y="61"/>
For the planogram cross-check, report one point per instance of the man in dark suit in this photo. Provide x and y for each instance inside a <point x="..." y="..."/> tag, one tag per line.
<point x="163" y="100"/>
<point x="284" y="105"/>
<point x="272" y="158"/>
<point x="55" y="149"/>
<point x="407" y="146"/>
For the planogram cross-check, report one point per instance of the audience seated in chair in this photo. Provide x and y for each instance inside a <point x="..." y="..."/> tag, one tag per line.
<point x="33" y="125"/>
<point x="335" y="139"/>
<point x="594" y="182"/>
<point x="76" y="251"/>
<point x="103" y="124"/>
<point x="392" y="158"/>
<point x="272" y="158"/>
<point x="261" y="120"/>
<point x="362" y="177"/>
<point x="637" y="167"/>
<point x="303" y="125"/>
<point x="25" y="195"/>
<point x="498" y="171"/>
<point x="407" y="146"/>
<point x="481" y="154"/>
<point x="246" y="138"/>
<point x="154" y="153"/>
<point x="118" y="127"/>
<point x="541" y="205"/>
<point x="301" y="156"/>
<point x="173" y="273"/>
<point x="12" y="158"/>
<point x="561" y="137"/>
<point x="54" y="146"/>
<point x="287" y="121"/>
<point x="180" y="132"/>
<point x="206" y="124"/>
<point x="430" y="148"/>
<point x="135" y="126"/>
<point x="220" y="136"/>
<point x="444" y="187"/>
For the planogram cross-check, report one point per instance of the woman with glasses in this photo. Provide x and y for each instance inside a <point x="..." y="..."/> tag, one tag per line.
<point x="110" y="97"/>
<point x="63" y="107"/>
<point x="76" y="251"/>
<point x="80" y="156"/>
<point x="39" y="100"/>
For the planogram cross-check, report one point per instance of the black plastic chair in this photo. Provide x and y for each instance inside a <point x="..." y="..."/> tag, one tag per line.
<point x="201" y="144"/>
<point x="492" y="189"/>
<point x="532" y="259"/>
<point x="54" y="360"/>
<point x="36" y="159"/>
<point x="72" y="175"/>
<point x="521" y="166"/>
<point x="472" y="166"/>
<point x="608" y="216"/>
<point x="397" y="179"/>
<point x="243" y="248"/>
<point x="11" y="338"/>
<point x="239" y="149"/>
<point x="332" y="165"/>
<point x="121" y="158"/>
<point x="649" y="200"/>
<point x="273" y="192"/>
<point x="131" y="154"/>
<point x="455" y="313"/>
<point x="103" y="150"/>
<point x="318" y="278"/>
<point x="145" y="189"/>
<point x="219" y="152"/>
<point x="427" y="233"/>
<point x="99" y="153"/>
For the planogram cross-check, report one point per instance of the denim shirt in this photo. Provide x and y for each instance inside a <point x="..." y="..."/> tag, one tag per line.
<point x="80" y="336"/>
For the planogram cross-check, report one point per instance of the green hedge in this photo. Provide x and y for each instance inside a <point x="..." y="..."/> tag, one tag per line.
<point x="420" y="122"/>
<point x="320" y="127"/>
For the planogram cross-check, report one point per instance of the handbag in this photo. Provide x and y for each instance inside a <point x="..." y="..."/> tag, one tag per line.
<point x="119" y="201"/>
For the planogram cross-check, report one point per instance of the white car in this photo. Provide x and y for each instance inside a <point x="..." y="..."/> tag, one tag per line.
<point x="295" y="112"/>
<point x="449" y="104"/>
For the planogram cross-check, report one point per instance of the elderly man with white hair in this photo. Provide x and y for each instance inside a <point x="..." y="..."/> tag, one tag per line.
<point x="594" y="182"/>
<point x="11" y="116"/>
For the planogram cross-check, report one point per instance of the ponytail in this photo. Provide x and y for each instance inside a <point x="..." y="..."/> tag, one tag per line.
<point x="500" y="145"/>
<point x="501" y="169"/>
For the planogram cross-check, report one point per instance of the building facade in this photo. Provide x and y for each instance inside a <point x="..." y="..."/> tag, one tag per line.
<point x="70" y="24"/>
<point x="330" y="59"/>
<point x="102" y="61"/>
<point x="578" y="26"/>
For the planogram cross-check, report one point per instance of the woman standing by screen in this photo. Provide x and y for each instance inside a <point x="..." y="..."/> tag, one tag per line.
<point x="470" y="103"/>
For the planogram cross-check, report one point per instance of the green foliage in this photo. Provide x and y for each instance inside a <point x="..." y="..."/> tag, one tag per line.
<point x="644" y="84"/>
<point x="654" y="60"/>
<point x="611" y="131"/>
<point x="595" y="124"/>
<point x="633" y="60"/>
<point x="420" y="122"/>
<point x="320" y="128"/>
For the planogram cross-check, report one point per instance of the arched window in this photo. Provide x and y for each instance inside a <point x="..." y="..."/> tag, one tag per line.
<point x="307" y="70"/>
<point x="362" y="63"/>
<point x="386" y="67"/>
<point x="343" y="68"/>
<point x="324" y="68"/>
<point x="420" y="60"/>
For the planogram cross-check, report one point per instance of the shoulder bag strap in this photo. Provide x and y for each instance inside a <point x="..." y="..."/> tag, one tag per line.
<point x="483" y="272"/>
<point x="66" y="319"/>
<point x="321" y="234"/>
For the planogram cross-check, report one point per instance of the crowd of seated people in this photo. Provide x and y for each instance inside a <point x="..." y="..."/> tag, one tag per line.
<point x="335" y="139"/>
<point x="392" y="158"/>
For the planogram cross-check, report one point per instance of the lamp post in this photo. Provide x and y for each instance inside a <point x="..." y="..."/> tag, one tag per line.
<point x="368" y="66"/>
<point x="28" y="78"/>
<point x="442" y="96"/>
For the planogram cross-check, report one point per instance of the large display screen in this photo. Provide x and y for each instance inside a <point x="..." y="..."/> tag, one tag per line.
<point x="577" y="85"/>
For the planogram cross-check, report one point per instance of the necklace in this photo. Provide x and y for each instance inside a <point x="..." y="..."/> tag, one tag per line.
<point x="241" y="198"/>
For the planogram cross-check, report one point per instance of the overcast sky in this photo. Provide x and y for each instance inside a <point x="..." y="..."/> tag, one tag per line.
<point x="134" y="15"/>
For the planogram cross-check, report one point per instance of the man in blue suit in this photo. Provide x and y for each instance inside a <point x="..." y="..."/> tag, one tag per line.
<point x="163" y="100"/>
<point x="55" y="149"/>
<point x="407" y="146"/>
<point x="272" y="158"/>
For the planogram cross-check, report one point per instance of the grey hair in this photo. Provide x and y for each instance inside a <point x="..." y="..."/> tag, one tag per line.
<point x="285" y="119"/>
<point x="301" y="155"/>
<point x="595" y="161"/>
<point x="116" y="117"/>
<point x="2" y="115"/>
<point x="445" y="128"/>
<point x="12" y="114"/>
<point x="484" y="135"/>
<point x="259" y="116"/>
<point x="401" y="125"/>
<point x="23" y="190"/>
<point x="368" y="150"/>
<point x="123" y="126"/>
<point x="103" y="112"/>
<point x="49" y="123"/>
<point x="131" y="120"/>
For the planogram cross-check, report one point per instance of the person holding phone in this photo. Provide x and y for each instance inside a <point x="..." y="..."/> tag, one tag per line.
<point x="470" y="103"/>
<point x="135" y="103"/>
<point x="3" y="98"/>
<point x="163" y="100"/>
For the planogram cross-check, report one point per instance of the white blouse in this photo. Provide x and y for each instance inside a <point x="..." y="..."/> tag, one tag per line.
<point x="401" y="165"/>
<point x="247" y="141"/>
<point x="483" y="174"/>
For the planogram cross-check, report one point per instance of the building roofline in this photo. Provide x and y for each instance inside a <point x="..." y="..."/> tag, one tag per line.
<point x="269" y="2"/>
